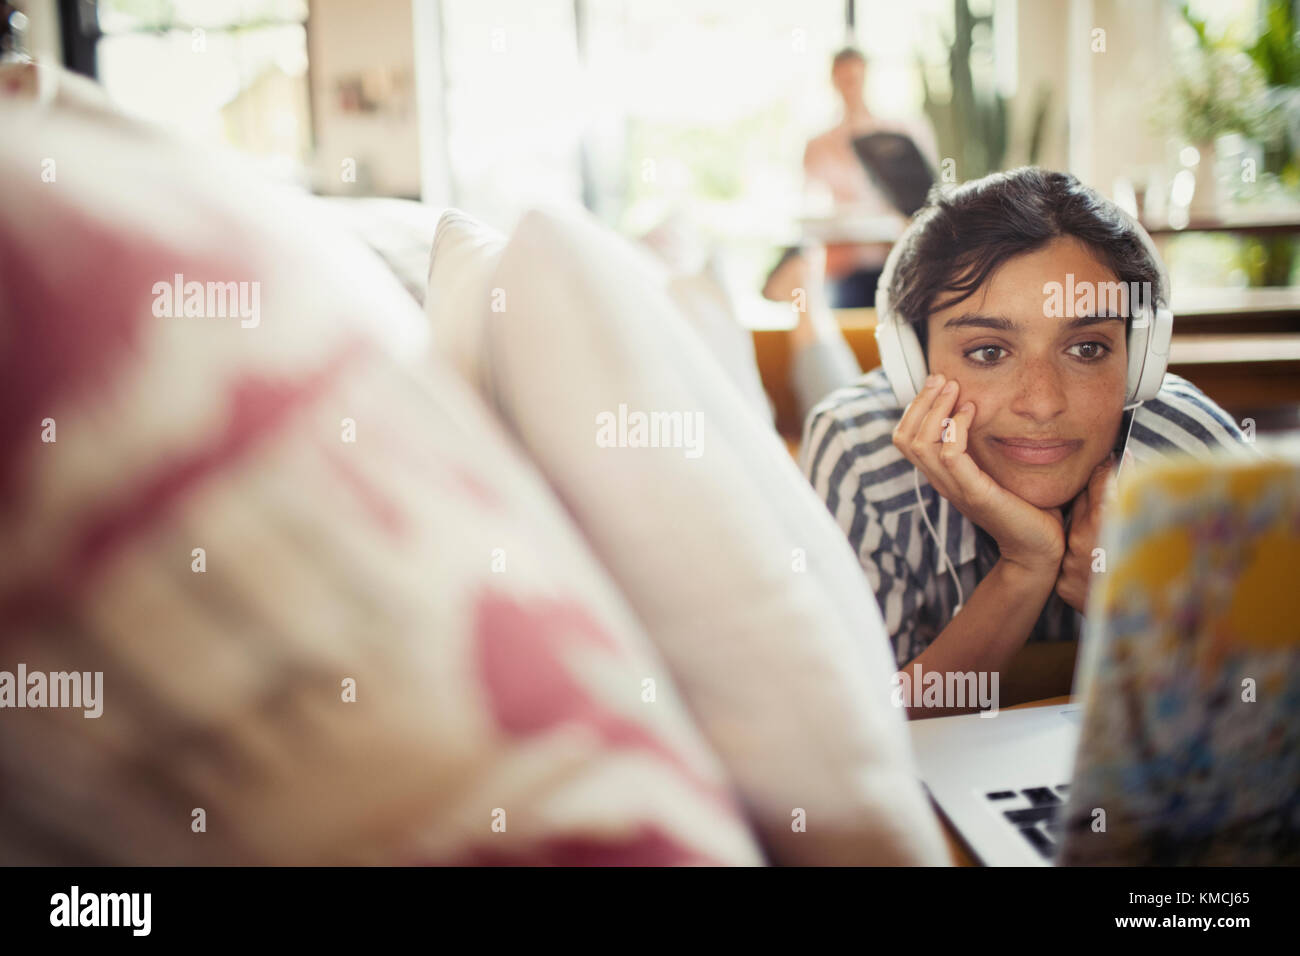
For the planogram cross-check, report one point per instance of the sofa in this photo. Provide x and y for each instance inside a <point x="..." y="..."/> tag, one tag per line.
<point x="515" y="575"/>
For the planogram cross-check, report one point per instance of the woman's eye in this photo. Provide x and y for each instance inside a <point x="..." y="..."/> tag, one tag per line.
<point x="985" y="354"/>
<point x="1090" y="351"/>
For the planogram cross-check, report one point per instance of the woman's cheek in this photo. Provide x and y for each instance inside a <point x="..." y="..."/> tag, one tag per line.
<point x="1106" y="401"/>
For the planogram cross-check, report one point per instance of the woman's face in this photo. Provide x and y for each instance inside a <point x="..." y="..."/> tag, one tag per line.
<point x="1048" y="390"/>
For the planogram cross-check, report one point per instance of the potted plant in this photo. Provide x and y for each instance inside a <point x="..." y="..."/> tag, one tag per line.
<point x="1276" y="52"/>
<point x="1217" y="89"/>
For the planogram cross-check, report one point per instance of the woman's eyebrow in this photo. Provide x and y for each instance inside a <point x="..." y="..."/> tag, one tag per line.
<point x="982" y="321"/>
<point x="1083" y="320"/>
<point x="1002" y="324"/>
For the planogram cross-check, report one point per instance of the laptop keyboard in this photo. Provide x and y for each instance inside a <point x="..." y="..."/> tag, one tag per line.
<point x="1034" y="812"/>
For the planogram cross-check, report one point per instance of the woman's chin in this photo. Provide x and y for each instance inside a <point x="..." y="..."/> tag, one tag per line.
<point x="1048" y="500"/>
<point x="1045" y="491"/>
<point x="1047" y="494"/>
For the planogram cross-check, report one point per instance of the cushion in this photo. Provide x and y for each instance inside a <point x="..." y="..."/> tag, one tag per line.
<point x="465" y="253"/>
<point x="398" y="231"/>
<point x="338" y="618"/>
<point x="705" y="303"/>
<point x="736" y="569"/>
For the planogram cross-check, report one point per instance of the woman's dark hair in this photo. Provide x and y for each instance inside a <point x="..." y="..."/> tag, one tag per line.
<point x="961" y="236"/>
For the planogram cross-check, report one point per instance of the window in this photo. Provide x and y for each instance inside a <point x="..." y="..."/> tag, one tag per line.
<point x="705" y="107"/>
<point x="514" y="104"/>
<point x="646" y="110"/>
<point x="227" y="71"/>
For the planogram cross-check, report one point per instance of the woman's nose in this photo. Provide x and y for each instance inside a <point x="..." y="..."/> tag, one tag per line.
<point x="1040" y="394"/>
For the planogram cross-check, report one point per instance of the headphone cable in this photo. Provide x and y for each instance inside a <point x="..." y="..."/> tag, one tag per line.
<point x="961" y="598"/>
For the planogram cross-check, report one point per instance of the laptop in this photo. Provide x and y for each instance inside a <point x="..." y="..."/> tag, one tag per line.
<point x="1182" y="746"/>
<point x="898" y="169"/>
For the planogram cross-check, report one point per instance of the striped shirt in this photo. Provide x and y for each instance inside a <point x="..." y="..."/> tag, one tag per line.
<point x="849" y="456"/>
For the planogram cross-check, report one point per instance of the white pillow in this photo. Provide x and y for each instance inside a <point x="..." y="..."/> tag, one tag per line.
<point x="706" y="304"/>
<point x="465" y="253"/>
<point x="398" y="231"/>
<point x="736" y="569"/>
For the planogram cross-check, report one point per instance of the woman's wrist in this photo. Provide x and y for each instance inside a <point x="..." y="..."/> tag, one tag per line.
<point x="1028" y="575"/>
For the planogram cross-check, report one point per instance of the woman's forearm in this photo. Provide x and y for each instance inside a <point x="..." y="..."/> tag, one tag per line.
<point x="992" y="626"/>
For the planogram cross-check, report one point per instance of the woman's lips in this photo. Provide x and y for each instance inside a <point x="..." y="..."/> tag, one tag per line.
<point x="1029" y="452"/>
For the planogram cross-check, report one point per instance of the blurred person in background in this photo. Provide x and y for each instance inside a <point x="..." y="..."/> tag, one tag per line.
<point x="832" y="167"/>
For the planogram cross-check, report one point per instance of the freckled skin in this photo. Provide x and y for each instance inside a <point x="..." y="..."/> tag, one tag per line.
<point x="1040" y="386"/>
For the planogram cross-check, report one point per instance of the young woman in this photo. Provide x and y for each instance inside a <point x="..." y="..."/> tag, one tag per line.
<point x="1013" y="433"/>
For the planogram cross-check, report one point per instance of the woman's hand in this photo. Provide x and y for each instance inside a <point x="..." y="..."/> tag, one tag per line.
<point x="1085" y="520"/>
<point x="933" y="438"/>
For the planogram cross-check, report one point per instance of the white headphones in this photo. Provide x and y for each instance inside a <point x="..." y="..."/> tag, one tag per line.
<point x="904" y="362"/>
<point x="1149" y="336"/>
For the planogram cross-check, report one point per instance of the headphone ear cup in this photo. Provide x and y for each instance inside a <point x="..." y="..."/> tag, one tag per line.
<point x="1139" y="334"/>
<point x="902" y="359"/>
<point x="1148" y="355"/>
<point x="1151" y="331"/>
<point x="1156" y="357"/>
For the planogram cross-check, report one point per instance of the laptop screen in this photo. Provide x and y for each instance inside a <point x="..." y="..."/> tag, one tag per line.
<point x="898" y="169"/>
